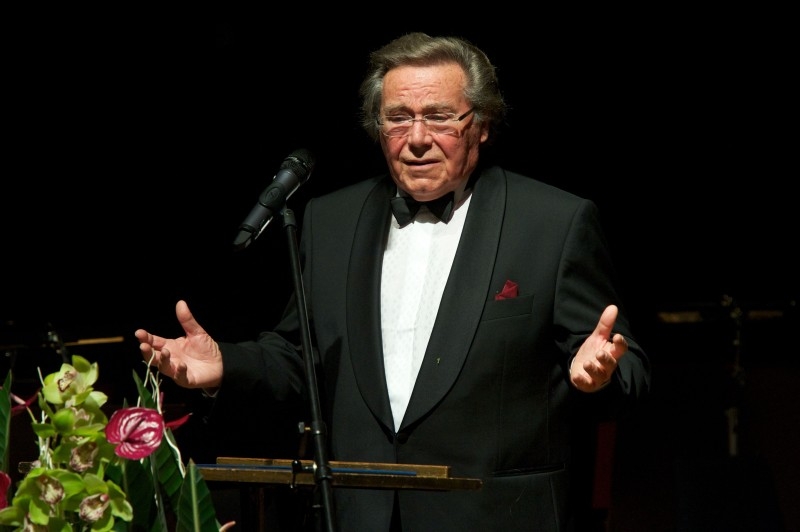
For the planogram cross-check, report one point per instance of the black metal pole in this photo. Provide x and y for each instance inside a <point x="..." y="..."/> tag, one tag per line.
<point x="322" y="473"/>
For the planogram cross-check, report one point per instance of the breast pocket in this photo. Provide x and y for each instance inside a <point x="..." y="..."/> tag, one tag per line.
<point x="507" y="308"/>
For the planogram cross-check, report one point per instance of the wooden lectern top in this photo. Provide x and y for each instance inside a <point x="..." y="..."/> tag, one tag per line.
<point x="344" y="474"/>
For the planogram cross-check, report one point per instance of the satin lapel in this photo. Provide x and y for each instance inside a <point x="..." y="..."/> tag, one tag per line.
<point x="364" y="302"/>
<point x="464" y="296"/>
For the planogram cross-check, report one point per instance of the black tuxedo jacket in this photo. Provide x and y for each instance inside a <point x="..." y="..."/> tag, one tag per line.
<point x="492" y="399"/>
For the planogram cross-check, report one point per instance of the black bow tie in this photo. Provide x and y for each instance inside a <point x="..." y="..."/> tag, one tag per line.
<point x="406" y="207"/>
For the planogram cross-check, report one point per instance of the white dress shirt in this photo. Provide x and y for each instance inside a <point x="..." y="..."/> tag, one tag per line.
<point x="416" y="265"/>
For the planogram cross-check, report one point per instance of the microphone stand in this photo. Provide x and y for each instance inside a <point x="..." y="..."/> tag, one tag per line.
<point x="322" y="471"/>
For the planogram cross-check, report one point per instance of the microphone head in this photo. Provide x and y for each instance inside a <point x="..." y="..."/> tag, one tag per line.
<point x="300" y="163"/>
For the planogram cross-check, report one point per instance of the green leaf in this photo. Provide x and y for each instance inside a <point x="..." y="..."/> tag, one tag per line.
<point x="195" y="507"/>
<point x="169" y="474"/>
<point x="12" y="516"/>
<point x="137" y="482"/>
<point x="146" y="395"/>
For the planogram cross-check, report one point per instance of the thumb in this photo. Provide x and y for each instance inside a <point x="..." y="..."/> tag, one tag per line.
<point x="186" y="319"/>
<point x="605" y="329"/>
<point x="605" y="326"/>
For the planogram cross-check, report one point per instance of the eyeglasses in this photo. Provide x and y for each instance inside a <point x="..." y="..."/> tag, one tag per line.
<point x="397" y="126"/>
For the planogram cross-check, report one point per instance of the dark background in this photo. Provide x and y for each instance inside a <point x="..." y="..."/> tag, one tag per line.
<point x="136" y="142"/>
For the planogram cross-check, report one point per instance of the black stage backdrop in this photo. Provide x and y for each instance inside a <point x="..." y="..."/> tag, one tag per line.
<point x="136" y="143"/>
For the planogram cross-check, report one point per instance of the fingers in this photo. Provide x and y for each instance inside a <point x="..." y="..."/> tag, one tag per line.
<point x="142" y="335"/>
<point x="149" y="346"/>
<point x="163" y="359"/>
<point x="145" y="343"/>
<point x="619" y="346"/>
<point x="163" y="362"/>
<point x="152" y="341"/>
<point x="180" y="374"/>
<point x="605" y="327"/>
<point x="598" y="371"/>
<point x="602" y="367"/>
<point x="591" y="372"/>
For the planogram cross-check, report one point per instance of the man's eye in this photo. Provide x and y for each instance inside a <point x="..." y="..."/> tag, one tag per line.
<point x="437" y="118"/>
<point x="398" y="119"/>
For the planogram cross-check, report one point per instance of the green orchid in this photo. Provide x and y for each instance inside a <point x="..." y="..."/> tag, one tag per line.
<point x="72" y="384"/>
<point x="88" y="464"/>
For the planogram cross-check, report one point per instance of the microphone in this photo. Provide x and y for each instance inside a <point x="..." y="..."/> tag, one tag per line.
<point x="294" y="171"/>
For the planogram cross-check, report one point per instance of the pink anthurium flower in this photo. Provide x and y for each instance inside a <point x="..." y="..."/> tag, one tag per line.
<point x="136" y="432"/>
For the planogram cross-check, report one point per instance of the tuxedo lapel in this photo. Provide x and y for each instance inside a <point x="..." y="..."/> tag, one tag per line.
<point x="464" y="295"/>
<point x="364" y="300"/>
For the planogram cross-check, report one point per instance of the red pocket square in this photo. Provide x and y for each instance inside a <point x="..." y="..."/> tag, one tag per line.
<point x="509" y="290"/>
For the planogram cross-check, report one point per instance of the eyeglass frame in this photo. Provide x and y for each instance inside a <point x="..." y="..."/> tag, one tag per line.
<point x="424" y="119"/>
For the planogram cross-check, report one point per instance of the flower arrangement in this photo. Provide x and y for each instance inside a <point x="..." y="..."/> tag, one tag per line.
<point x="95" y="473"/>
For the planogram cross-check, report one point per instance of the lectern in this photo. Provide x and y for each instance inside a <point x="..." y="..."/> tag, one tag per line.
<point x="260" y="473"/>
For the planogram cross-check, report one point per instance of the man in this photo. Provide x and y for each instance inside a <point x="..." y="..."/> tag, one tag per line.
<point x="479" y="341"/>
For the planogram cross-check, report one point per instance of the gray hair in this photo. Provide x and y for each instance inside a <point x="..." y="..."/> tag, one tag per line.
<point x="419" y="49"/>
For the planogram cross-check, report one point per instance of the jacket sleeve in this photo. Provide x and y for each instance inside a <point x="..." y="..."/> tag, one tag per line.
<point x="261" y="401"/>
<point x="586" y="285"/>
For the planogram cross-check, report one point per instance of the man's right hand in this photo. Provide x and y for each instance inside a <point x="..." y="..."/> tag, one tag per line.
<point x="192" y="361"/>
